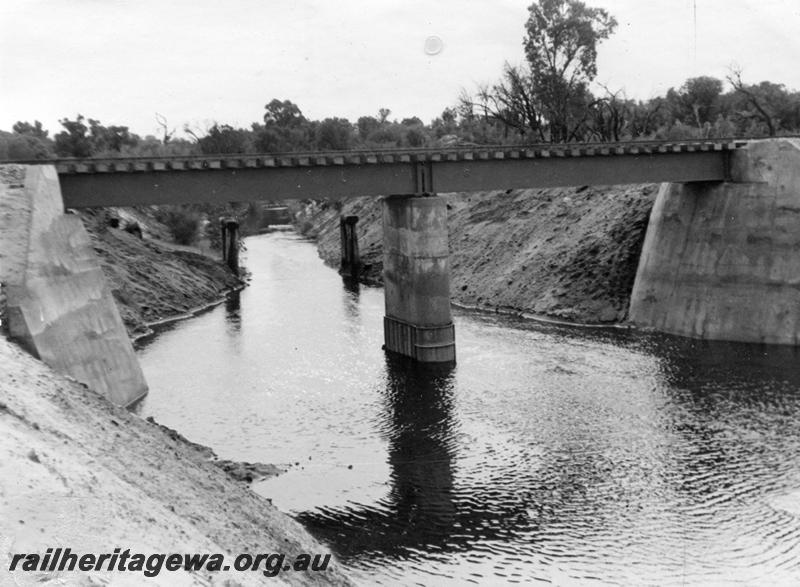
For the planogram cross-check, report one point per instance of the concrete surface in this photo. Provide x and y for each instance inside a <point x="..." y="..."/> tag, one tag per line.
<point x="722" y="260"/>
<point x="416" y="277"/>
<point x="58" y="305"/>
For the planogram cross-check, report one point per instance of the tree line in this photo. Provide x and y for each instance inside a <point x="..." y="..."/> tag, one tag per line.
<point x="547" y="99"/>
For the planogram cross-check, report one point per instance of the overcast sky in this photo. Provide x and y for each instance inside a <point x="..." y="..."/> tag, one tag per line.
<point x="198" y="61"/>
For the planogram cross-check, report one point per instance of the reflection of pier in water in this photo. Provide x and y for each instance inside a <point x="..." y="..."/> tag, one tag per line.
<point x="421" y="510"/>
<point x="546" y="500"/>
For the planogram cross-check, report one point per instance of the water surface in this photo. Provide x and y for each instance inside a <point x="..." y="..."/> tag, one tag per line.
<point x="549" y="453"/>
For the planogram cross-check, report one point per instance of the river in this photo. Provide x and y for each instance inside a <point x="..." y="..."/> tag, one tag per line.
<point x="548" y="453"/>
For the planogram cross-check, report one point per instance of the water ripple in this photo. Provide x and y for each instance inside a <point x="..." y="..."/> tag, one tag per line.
<point x="549" y="454"/>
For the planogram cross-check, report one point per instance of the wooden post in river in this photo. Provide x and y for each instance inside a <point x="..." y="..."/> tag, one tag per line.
<point x="351" y="262"/>
<point x="229" y="233"/>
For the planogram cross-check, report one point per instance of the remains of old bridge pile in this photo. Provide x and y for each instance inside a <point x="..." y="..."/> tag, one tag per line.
<point x="719" y="260"/>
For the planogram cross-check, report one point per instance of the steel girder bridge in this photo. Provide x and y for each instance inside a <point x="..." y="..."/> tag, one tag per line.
<point x="238" y="178"/>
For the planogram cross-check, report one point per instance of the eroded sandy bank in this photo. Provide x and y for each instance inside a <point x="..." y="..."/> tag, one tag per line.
<point x="77" y="472"/>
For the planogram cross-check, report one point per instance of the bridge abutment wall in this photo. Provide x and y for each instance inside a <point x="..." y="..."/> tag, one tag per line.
<point x="416" y="277"/>
<point x="57" y="303"/>
<point x="721" y="260"/>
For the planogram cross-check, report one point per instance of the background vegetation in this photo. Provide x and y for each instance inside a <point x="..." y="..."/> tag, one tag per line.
<point x="549" y="98"/>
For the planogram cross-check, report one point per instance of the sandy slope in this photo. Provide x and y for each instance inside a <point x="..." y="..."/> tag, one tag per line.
<point x="77" y="472"/>
<point x="570" y="253"/>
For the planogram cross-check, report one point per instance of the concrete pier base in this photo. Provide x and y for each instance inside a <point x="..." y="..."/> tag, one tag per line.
<point x="58" y="305"/>
<point x="722" y="260"/>
<point x="416" y="277"/>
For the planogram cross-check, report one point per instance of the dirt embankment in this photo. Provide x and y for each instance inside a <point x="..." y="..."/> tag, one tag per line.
<point x="569" y="253"/>
<point x="77" y="472"/>
<point x="150" y="279"/>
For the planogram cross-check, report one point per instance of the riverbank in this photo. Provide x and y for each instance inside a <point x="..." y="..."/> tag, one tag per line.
<point x="151" y="280"/>
<point x="77" y="472"/>
<point x="566" y="253"/>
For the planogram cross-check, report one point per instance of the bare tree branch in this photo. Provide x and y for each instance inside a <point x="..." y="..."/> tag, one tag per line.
<point x="735" y="79"/>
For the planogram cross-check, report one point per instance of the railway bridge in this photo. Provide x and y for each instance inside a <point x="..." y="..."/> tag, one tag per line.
<point x="59" y="307"/>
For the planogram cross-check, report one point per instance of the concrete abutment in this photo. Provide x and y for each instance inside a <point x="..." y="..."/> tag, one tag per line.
<point x="416" y="277"/>
<point x="721" y="260"/>
<point x="57" y="303"/>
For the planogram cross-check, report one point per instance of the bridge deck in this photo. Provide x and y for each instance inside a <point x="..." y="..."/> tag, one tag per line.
<point x="238" y="178"/>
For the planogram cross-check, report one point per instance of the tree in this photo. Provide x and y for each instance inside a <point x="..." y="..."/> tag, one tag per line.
<point x="283" y="113"/>
<point x="446" y="123"/>
<point x="413" y="121"/>
<point x="34" y="130"/>
<point x="73" y="141"/>
<point x="29" y="141"/>
<point x="112" y="138"/>
<point x="415" y="136"/>
<point x="79" y="140"/>
<point x="334" y="134"/>
<point x="697" y="101"/>
<point x="645" y="118"/>
<point x="610" y="116"/>
<point x="512" y="101"/>
<point x="161" y="120"/>
<point x="223" y="138"/>
<point x="561" y="49"/>
<point x="285" y="128"/>
<point x="366" y="126"/>
<point x="768" y="102"/>
<point x="23" y="147"/>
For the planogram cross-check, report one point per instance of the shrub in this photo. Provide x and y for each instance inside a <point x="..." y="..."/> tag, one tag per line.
<point x="182" y="223"/>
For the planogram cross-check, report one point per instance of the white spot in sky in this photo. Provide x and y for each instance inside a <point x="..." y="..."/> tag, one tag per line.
<point x="433" y="45"/>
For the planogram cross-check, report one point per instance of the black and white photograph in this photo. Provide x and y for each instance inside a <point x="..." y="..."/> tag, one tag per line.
<point x="400" y="293"/>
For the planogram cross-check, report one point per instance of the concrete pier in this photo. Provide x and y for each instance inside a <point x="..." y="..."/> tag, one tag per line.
<point x="416" y="276"/>
<point x="58" y="305"/>
<point x="721" y="260"/>
<point x="351" y="261"/>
